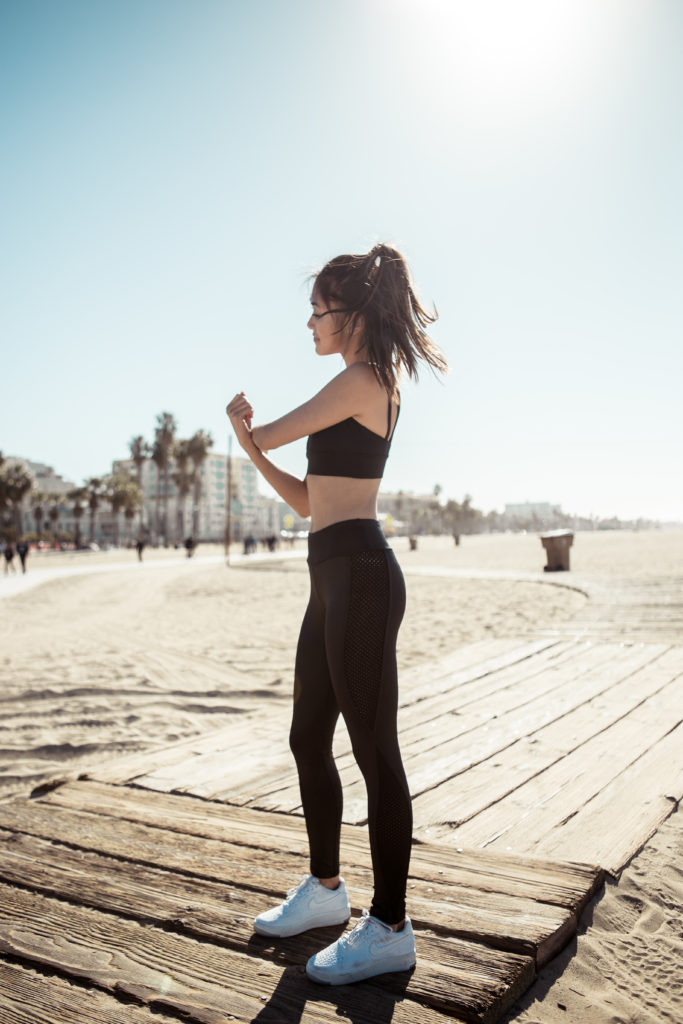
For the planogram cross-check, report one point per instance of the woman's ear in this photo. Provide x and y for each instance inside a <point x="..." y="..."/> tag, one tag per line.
<point x="359" y="330"/>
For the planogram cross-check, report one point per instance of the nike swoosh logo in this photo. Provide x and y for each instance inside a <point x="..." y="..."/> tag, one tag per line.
<point x="384" y="949"/>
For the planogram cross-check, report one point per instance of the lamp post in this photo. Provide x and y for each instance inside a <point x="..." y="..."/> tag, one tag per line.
<point x="228" y="507"/>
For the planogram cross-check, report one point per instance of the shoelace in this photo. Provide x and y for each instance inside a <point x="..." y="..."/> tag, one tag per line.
<point x="296" y="889"/>
<point x="353" y="936"/>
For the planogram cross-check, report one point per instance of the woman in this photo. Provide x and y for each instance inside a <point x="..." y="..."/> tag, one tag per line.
<point x="365" y="310"/>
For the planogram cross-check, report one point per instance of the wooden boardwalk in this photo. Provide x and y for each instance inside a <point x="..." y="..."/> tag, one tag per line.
<point x="150" y="897"/>
<point x="549" y="747"/>
<point x="536" y="766"/>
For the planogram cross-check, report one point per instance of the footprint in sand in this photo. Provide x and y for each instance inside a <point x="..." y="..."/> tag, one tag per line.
<point x="651" y="921"/>
<point x="621" y="914"/>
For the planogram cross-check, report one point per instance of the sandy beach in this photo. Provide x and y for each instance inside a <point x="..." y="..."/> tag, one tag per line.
<point x="133" y="658"/>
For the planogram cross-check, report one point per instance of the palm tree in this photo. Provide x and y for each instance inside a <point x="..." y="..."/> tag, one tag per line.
<point x="39" y="499"/>
<point x="132" y="502"/>
<point x="164" y="437"/>
<point x="157" y="456"/>
<point x="140" y="451"/>
<point x="79" y="497"/>
<point x="199" y="445"/>
<point x="15" y="482"/>
<point x="95" y="488"/>
<point x="183" y="479"/>
<point x="116" y="493"/>
<point x="56" y="504"/>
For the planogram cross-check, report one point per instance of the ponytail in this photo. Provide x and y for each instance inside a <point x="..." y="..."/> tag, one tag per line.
<point x="377" y="287"/>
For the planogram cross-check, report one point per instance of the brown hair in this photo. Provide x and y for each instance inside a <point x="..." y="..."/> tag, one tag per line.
<point x="377" y="287"/>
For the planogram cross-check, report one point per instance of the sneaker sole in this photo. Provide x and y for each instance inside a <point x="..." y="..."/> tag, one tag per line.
<point x="322" y="977"/>
<point x="285" y="933"/>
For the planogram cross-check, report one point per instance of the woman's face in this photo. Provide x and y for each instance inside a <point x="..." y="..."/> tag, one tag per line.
<point x="325" y="322"/>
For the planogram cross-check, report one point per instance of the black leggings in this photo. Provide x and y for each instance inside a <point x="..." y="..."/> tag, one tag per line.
<point x="346" y="661"/>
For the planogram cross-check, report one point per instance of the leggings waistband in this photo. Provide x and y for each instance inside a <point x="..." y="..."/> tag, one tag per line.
<point x="345" y="538"/>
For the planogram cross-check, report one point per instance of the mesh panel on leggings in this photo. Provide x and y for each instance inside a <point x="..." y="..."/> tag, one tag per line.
<point x="365" y="628"/>
<point x="392" y="828"/>
<point x="394" y="810"/>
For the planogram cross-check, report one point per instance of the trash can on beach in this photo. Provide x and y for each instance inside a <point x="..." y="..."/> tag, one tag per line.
<point x="557" y="544"/>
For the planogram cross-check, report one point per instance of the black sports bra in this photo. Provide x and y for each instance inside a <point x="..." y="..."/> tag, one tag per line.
<point x="349" y="449"/>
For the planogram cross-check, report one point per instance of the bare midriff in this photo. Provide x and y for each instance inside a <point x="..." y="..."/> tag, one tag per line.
<point x="334" y="499"/>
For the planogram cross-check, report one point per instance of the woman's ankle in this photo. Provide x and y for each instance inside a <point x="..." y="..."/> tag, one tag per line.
<point x="330" y="883"/>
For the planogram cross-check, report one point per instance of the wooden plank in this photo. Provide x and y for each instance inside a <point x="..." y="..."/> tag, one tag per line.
<point x="222" y="913"/>
<point x="200" y="980"/>
<point x="134" y="766"/>
<point x="531" y="811"/>
<point x="234" y="765"/>
<point x="27" y="997"/>
<point x="493" y="656"/>
<point x="246" y="776"/>
<point x="505" y="688"/>
<point x="544" y="880"/>
<point x="479" y="734"/>
<point x="478" y="658"/>
<point x="613" y="826"/>
<point x="418" y="717"/>
<point x="537" y="736"/>
<point x="584" y="664"/>
<point x="127" y="768"/>
<point x="515" y="923"/>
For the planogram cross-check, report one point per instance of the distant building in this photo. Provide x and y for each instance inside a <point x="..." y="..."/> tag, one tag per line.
<point x="54" y="488"/>
<point x="251" y="512"/>
<point x="539" y="511"/>
<point x="404" y="512"/>
<point x="45" y="478"/>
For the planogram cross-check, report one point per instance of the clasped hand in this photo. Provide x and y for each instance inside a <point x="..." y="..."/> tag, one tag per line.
<point x="241" y="413"/>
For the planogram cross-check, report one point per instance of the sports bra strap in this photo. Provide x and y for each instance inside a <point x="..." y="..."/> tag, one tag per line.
<point x="389" y="433"/>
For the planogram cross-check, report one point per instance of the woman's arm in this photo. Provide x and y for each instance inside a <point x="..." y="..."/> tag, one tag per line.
<point x="290" y="488"/>
<point x="346" y="395"/>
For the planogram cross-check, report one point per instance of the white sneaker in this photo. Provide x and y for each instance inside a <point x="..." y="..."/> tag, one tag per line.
<point x="371" y="948"/>
<point x="308" y="905"/>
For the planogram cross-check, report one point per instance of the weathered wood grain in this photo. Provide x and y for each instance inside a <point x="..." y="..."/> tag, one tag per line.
<point x="27" y="997"/>
<point x="543" y="880"/>
<point x="246" y="777"/>
<point x="224" y="914"/>
<point x="546" y="731"/>
<point x="616" y="824"/>
<point x="205" y="982"/>
<point x="567" y="885"/>
<point x="139" y="765"/>
<point x="451" y="706"/>
<point x="513" y="922"/>
<point x="549" y="798"/>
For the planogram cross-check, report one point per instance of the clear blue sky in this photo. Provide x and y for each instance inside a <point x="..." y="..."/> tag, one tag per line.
<point x="172" y="170"/>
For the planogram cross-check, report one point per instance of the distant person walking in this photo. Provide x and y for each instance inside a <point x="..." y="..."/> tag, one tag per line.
<point x="190" y="546"/>
<point x="22" y="551"/>
<point x="364" y="309"/>
<point x="9" y="557"/>
<point x="140" y="547"/>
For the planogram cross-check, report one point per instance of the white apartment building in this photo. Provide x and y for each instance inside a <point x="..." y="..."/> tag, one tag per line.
<point x="47" y="482"/>
<point x="251" y="512"/>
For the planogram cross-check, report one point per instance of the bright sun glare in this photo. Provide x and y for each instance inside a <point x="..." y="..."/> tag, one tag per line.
<point x="519" y="60"/>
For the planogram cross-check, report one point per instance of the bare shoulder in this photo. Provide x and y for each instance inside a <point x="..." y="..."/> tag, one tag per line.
<point x="361" y="378"/>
